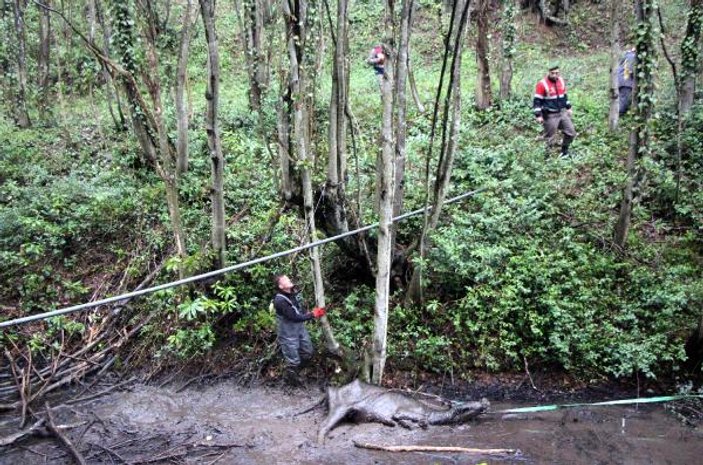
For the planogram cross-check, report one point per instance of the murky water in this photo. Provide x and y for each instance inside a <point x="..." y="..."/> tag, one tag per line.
<point x="205" y="425"/>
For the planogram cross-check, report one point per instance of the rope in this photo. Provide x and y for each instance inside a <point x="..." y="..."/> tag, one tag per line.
<point x="642" y="400"/>
<point x="200" y="277"/>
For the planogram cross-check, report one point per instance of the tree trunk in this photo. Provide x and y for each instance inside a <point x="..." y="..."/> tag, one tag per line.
<point x="508" y="52"/>
<point x="413" y="88"/>
<point x="385" y="181"/>
<point x="614" y="114"/>
<point x="43" y="60"/>
<point x="335" y="191"/>
<point x="283" y="112"/>
<point x="21" y="114"/>
<point x="484" y="97"/>
<point x="180" y="98"/>
<point x="450" y="133"/>
<point x="110" y="85"/>
<point x="212" y="95"/>
<point x="165" y="165"/>
<point x="295" y="14"/>
<point x="251" y="24"/>
<point x="639" y="137"/>
<point x="690" y="57"/>
<point x="401" y="110"/>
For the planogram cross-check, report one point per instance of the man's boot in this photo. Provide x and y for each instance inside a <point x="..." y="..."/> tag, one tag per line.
<point x="292" y="377"/>
<point x="565" y="146"/>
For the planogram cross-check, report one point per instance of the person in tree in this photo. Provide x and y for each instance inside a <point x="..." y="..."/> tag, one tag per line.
<point x="626" y="79"/>
<point x="293" y="337"/>
<point x="553" y="110"/>
<point x="377" y="59"/>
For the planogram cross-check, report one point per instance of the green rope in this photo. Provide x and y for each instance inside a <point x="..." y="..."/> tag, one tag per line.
<point x="641" y="400"/>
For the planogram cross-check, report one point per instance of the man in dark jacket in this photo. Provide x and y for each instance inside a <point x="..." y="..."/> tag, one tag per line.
<point x="553" y="110"/>
<point x="292" y="335"/>
<point x="626" y="79"/>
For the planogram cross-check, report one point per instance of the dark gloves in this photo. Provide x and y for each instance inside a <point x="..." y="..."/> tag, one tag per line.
<point x="318" y="312"/>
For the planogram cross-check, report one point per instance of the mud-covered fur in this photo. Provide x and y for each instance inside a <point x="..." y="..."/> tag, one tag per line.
<point x="363" y="402"/>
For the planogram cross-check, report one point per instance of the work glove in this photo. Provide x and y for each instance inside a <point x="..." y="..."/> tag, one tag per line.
<point x="318" y="312"/>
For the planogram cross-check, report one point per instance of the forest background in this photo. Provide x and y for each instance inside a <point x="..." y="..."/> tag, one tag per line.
<point x="144" y="142"/>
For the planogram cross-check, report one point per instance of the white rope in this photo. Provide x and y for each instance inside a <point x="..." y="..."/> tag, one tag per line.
<point x="228" y="269"/>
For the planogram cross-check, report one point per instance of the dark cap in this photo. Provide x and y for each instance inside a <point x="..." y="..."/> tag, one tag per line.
<point x="553" y="66"/>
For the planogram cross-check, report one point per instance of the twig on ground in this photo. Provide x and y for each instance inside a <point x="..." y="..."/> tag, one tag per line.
<point x="109" y="451"/>
<point x="11" y="439"/>
<point x="101" y="393"/>
<point x="62" y="437"/>
<point x="311" y="408"/>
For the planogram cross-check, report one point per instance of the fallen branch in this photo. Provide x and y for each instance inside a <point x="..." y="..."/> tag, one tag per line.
<point x="101" y="393"/>
<point x="109" y="451"/>
<point x="62" y="437"/>
<point x="13" y="438"/>
<point x="468" y="450"/>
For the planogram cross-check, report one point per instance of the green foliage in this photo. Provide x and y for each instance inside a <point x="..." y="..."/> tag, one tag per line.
<point x="524" y="271"/>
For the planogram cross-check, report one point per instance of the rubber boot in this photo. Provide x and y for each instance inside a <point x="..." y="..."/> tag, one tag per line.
<point x="565" y="146"/>
<point x="292" y="377"/>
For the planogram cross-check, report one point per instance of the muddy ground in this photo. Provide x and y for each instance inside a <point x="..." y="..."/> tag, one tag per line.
<point x="227" y="423"/>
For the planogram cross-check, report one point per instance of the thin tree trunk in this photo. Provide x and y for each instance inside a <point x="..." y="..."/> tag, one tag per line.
<point x="21" y="114"/>
<point x="295" y="14"/>
<point x="508" y="52"/>
<point x="614" y="114"/>
<point x="401" y="111"/>
<point x="212" y="95"/>
<point x="180" y="98"/>
<point x="639" y="137"/>
<point x="484" y="97"/>
<point x="110" y="84"/>
<point x="386" y="181"/>
<point x="336" y="165"/>
<point x="283" y="112"/>
<point x="251" y="22"/>
<point x="413" y="88"/>
<point x="43" y="60"/>
<point x="166" y="168"/>
<point x="690" y="57"/>
<point x="452" y="104"/>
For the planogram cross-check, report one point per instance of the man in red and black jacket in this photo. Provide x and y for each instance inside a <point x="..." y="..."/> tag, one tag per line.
<point x="553" y="109"/>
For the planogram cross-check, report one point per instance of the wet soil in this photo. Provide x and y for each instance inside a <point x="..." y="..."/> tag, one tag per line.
<point x="228" y="424"/>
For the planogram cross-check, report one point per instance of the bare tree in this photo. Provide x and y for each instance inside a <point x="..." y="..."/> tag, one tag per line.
<point x="508" y="48"/>
<point x="21" y="114"/>
<point x="113" y="97"/>
<point x="43" y="60"/>
<point x="484" y="97"/>
<point x="401" y="79"/>
<point x="690" y="56"/>
<point x="165" y="161"/>
<point x="385" y="189"/>
<point x="450" y="133"/>
<point x="639" y="137"/>
<point x="181" y="82"/>
<point x="217" y="161"/>
<point x="252" y="15"/>
<point x="614" y="113"/>
<point x="337" y="161"/>
<point x="296" y="19"/>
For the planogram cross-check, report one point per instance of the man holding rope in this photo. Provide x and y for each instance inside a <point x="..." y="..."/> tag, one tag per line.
<point x="292" y="336"/>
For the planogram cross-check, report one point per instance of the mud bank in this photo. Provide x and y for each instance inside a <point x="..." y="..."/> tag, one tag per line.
<point x="228" y="424"/>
